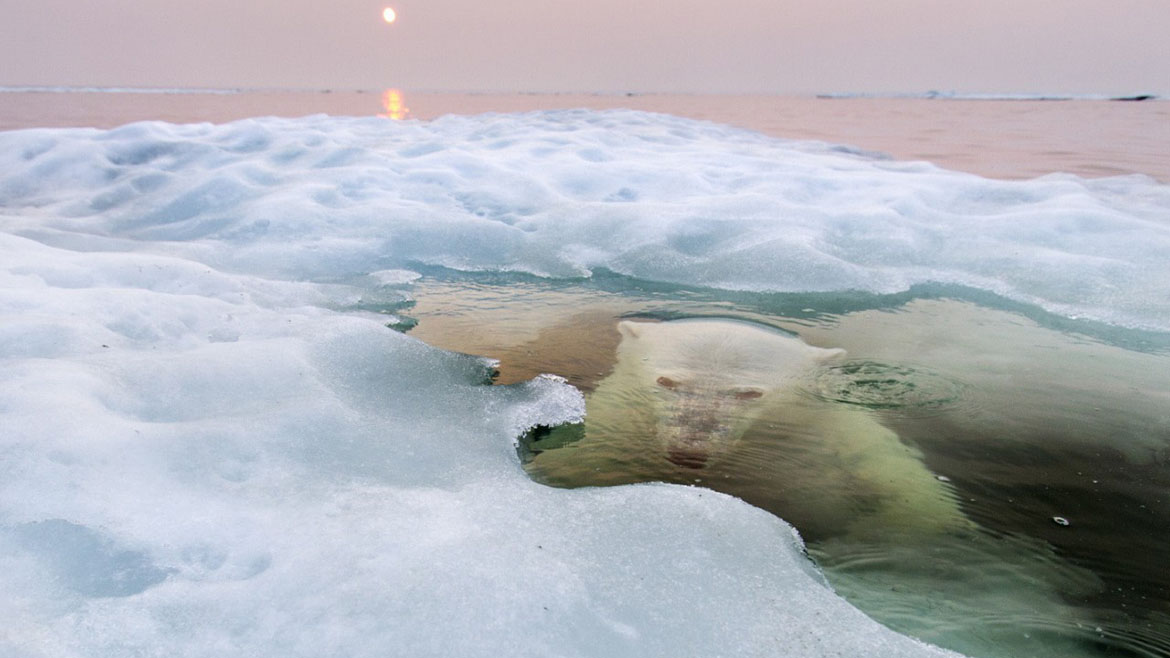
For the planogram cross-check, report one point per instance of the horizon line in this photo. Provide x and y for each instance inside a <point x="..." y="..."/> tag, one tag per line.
<point x="931" y="94"/>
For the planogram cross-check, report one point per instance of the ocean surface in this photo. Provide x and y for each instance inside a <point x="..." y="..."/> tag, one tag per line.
<point x="247" y="370"/>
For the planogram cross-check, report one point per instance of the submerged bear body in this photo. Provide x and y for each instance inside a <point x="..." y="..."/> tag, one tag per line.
<point x="736" y="407"/>
<point x="688" y="391"/>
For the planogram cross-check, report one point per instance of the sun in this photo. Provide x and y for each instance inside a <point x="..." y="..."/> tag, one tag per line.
<point x="389" y="15"/>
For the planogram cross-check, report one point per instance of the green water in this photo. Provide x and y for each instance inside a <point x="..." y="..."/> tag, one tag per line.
<point x="975" y="473"/>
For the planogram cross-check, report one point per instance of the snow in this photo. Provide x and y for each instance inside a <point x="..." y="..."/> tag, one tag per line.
<point x="198" y="463"/>
<point x="210" y="446"/>
<point x="565" y="193"/>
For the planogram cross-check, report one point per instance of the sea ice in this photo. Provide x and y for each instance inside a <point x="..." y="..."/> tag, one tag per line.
<point x="316" y="483"/>
<point x="211" y="444"/>
<point x="565" y="193"/>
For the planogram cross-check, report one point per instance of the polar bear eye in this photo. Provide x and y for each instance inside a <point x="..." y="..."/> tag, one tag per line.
<point x="748" y="394"/>
<point x="667" y="382"/>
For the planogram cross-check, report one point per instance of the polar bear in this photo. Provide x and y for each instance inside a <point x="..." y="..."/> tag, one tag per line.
<point x="692" y="388"/>
<point x="727" y="403"/>
<point x="705" y="380"/>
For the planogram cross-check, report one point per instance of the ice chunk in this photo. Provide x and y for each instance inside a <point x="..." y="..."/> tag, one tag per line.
<point x="395" y="277"/>
<point x="319" y="484"/>
<point x="564" y="193"/>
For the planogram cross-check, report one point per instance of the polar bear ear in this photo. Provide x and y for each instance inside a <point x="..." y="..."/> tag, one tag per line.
<point x="630" y="329"/>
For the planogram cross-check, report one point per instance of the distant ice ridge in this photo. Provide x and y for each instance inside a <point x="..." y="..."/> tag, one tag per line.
<point x="205" y="453"/>
<point x="989" y="96"/>
<point x="114" y="90"/>
<point x="560" y="194"/>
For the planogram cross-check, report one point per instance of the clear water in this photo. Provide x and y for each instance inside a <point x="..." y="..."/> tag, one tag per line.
<point x="1051" y="439"/>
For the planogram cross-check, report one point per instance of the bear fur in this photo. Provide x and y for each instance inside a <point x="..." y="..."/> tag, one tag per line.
<point x="696" y="386"/>
<point x="706" y="380"/>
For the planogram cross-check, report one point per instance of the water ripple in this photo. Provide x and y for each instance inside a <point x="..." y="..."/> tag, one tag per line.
<point x="876" y="385"/>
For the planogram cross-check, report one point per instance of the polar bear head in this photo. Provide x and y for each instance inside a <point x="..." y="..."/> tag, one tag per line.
<point x="708" y="379"/>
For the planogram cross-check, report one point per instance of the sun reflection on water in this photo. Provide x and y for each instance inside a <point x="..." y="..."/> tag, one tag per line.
<point x="394" y="105"/>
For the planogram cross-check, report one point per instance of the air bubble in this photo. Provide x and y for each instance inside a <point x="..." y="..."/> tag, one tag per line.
<point x="884" y="386"/>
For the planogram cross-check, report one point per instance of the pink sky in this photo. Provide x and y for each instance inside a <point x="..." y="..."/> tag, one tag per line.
<point x="770" y="46"/>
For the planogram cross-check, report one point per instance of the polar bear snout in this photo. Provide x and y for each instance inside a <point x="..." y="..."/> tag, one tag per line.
<point x="698" y="422"/>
